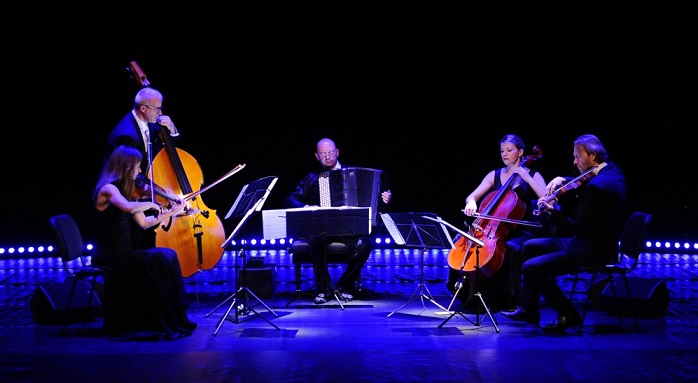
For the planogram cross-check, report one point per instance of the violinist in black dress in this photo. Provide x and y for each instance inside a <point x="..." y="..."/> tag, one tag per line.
<point x="144" y="293"/>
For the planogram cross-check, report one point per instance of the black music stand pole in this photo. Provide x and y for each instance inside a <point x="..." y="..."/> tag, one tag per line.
<point x="250" y="200"/>
<point x="410" y="229"/>
<point x="478" y="320"/>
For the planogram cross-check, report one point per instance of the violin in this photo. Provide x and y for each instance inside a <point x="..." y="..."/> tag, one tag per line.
<point x="144" y="188"/>
<point x="574" y="184"/>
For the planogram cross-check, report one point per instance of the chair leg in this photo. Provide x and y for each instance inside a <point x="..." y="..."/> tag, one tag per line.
<point x="633" y="310"/>
<point x="586" y="301"/>
<point x="297" y="270"/>
<point x="617" y="301"/>
<point x="89" y="300"/>
<point x="612" y="283"/>
<point x="66" y="314"/>
<point x="574" y="286"/>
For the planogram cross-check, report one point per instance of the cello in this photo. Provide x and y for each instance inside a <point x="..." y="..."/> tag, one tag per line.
<point x="196" y="234"/>
<point x="499" y="212"/>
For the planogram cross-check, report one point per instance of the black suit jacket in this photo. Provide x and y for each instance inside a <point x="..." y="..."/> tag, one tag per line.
<point x="127" y="132"/>
<point x="598" y="219"/>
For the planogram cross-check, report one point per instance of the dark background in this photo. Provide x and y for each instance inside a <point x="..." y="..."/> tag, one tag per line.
<point x="426" y="105"/>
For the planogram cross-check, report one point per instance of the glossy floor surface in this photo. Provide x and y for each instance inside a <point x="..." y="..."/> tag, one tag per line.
<point x="393" y="334"/>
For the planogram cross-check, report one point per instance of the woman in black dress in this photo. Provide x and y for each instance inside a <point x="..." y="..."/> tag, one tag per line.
<point x="144" y="294"/>
<point x="503" y="288"/>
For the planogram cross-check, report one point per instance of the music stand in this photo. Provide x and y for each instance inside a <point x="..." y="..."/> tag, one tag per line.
<point x="478" y="321"/>
<point x="319" y="223"/>
<point x="413" y="230"/>
<point x="250" y="199"/>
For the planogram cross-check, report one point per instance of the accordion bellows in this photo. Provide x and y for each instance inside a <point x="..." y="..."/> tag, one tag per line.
<point x="351" y="186"/>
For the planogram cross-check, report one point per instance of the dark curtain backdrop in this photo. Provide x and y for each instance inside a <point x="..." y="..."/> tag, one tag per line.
<point x="427" y="108"/>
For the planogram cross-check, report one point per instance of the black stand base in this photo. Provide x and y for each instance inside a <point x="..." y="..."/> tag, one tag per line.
<point x="476" y="295"/>
<point x="240" y="301"/>
<point x="421" y="288"/>
<point x="478" y="318"/>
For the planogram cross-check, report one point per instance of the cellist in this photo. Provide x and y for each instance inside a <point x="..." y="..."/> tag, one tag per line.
<point x="138" y="127"/>
<point x="502" y="289"/>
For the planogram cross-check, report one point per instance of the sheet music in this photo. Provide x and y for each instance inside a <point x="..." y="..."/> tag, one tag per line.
<point x="392" y="229"/>
<point x="274" y="223"/>
<point x="411" y="230"/>
<point x="274" y="220"/>
<point x="250" y="199"/>
<point x="251" y="194"/>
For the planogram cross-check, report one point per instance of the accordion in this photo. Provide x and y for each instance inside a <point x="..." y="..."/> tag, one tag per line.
<point x="351" y="186"/>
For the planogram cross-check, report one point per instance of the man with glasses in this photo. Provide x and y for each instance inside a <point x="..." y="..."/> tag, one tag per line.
<point x="307" y="193"/>
<point x="137" y="129"/>
<point x="141" y="125"/>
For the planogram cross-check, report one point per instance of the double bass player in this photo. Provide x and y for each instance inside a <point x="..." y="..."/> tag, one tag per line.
<point x="139" y="127"/>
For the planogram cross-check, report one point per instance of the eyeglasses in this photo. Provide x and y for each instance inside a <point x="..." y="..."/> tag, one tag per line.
<point x="331" y="153"/>
<point x="159" y="109"/>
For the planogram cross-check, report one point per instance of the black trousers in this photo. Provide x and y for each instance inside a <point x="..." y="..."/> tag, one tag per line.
<point x="361" y="246"/>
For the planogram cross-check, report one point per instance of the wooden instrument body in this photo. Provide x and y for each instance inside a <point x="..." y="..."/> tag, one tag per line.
<point x="198" y="234"/>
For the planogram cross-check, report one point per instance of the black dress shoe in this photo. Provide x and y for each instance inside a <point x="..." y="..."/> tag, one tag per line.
<point x="521" y="315"/>
<point x="189" y="325"/>
<point x="563" y="322"/>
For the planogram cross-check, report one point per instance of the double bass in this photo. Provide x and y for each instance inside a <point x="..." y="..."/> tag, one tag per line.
<point x="196" y="234"/>
<point x="499" y="212"/>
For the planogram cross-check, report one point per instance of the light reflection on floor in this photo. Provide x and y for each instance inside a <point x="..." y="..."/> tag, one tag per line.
<point x="357" y="343"/>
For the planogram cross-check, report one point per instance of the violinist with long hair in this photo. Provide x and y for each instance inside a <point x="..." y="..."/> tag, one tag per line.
<point x="502" y="289"/>
<point x="596" y="224"/>
<point x="144" y="294"/>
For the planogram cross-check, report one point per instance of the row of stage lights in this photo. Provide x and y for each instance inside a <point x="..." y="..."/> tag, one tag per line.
<point x="653" y="246"/>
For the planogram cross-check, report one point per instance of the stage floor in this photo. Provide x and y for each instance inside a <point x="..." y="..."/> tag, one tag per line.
<point x="391" y="335"/>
